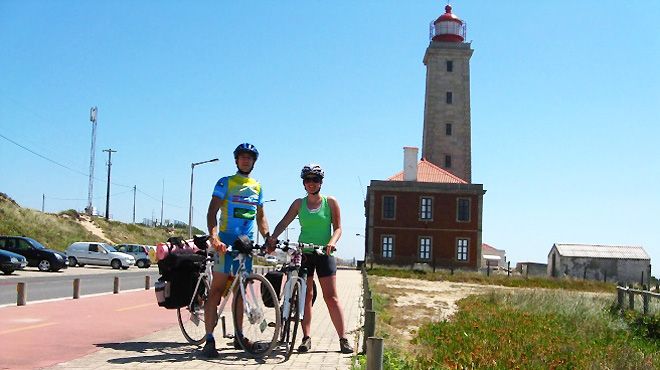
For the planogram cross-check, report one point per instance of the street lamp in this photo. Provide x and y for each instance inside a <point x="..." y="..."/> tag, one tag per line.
<point x="192" y="171"/>
<point x="265" y="201"/>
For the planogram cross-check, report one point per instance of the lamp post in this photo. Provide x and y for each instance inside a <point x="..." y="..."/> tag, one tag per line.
<point x="265" y="201"/>
<point x="192" y="171"/>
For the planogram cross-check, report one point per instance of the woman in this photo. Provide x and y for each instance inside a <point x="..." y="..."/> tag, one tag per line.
<point x="320" y="224"/>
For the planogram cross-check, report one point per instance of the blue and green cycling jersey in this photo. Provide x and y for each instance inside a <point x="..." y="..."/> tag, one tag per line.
<point x="242" y="196"/>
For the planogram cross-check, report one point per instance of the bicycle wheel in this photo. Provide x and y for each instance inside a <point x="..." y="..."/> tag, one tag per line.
<point x="256" y="324"/>
<point x="191" y="318"/>
<point x="290" y="329"/>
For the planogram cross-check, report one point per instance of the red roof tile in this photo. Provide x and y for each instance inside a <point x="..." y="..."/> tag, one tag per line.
<point x="428" y="172"/>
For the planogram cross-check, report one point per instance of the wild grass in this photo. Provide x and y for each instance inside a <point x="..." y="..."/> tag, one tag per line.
<point x="526" y="329"/>
<point x="58" y="231"/>
<point x="514" y="281"/>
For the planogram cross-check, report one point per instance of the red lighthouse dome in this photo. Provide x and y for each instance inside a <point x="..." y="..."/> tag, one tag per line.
<point x="448" y="27"/>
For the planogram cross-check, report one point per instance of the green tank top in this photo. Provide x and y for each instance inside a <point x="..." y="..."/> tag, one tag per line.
<point x="315" y="226"/>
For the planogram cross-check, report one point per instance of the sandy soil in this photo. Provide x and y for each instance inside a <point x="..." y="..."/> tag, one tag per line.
<point x="87" y="223"/>
<point x="432" y="300"/>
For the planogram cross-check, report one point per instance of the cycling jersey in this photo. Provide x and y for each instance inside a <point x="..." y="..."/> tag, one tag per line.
<point x="242" y="195"/>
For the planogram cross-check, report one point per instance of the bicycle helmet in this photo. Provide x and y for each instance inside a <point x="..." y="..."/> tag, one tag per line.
<point x="312" y="169"/>
<point x="246" y="148"/>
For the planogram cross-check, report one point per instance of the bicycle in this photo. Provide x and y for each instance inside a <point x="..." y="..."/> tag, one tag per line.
<point x="256" y="321"/>
<point x="295" y="291"/>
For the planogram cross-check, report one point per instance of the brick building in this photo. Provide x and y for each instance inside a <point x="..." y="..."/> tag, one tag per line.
<point x="424" y="215"/>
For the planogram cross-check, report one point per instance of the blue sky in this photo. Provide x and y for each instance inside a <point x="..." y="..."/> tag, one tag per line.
<point x="564" y="107"/>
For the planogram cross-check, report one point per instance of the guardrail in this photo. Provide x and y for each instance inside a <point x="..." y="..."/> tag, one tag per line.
<point x="646" y="297"/>
<point x="372" y="346"/>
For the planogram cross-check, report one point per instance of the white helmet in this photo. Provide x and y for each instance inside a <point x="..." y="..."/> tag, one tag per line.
<point x="312" y="169"/>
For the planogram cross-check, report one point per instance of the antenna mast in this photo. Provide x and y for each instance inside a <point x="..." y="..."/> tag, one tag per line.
<point x="92" y="117"/>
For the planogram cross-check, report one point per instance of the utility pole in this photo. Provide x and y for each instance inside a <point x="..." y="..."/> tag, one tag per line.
<point x="93" y="112"/>
<point x="43" y="202"/>
<point x="134" y="190"/>
<point x="107" y="196"/>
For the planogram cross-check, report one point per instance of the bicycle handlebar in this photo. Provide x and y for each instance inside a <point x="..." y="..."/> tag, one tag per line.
<point x="285" y="245"/>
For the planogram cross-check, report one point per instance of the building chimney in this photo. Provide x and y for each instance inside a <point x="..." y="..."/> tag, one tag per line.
<point x="410" y="163"/>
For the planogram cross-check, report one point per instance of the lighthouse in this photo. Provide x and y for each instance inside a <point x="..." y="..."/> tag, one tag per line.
<point x="447" y="129"/>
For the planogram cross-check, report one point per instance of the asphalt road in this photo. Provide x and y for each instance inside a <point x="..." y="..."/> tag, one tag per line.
<point x="51" y="285"/>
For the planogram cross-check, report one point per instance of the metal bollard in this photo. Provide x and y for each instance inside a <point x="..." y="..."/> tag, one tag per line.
<point x="368" y="304"/>
<point x="369" y="326"/>
<point x="374" y="353"/>
<point x="115" y="286"/>
<point x="76" y="288"/>
<point x="147" y="282"/>
<point x="20" y="294"/>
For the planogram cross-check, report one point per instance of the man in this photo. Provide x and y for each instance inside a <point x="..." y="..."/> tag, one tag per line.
<point x="240" y="200"/>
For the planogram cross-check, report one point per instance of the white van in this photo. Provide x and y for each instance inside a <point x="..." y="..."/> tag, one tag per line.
<point x="94" y="253"/>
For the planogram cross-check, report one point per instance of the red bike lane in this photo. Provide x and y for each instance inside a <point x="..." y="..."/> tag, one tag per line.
<point x="44" y="334"/>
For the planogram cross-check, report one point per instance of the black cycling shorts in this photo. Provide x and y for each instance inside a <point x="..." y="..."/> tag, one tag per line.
<point x="324" y="265"/>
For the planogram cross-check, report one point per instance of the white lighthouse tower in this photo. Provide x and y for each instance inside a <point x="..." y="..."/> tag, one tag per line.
<point x="447" y="127"/>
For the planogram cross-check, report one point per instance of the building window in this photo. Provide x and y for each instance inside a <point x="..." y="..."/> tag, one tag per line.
<point x="426" y="208"/>
<point x="450" y="97"/>
<point x="425" y="248"/>
<point x="447" y="161"/>
<point x="389" y="207"/>
<point x="387" y="245"/>
<point x="448" y="129"/>
<point x="463" y="210"/>
<point x="450" y="66"/>
<point x="462" y="249"/>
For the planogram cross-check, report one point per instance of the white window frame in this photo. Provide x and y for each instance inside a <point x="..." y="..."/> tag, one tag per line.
<point x="384" y="253"/>
<point x="462" y="249"/>
<point x="425" y="210"/>
<point x="425" y="247"/>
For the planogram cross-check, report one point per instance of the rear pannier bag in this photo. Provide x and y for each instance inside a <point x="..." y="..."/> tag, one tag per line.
<point x="275" y="279"/>
<point x="176" y="286"/>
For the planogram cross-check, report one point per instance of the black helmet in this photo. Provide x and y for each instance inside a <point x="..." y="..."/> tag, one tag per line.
<point x="246" y="148"/>
<point x="312" y="169"/>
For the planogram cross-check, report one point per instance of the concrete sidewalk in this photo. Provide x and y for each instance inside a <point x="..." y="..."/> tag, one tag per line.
<point x="168" y="349"/>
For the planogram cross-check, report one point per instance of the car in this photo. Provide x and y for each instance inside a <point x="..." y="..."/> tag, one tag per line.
<point x="10" y="262"/>
<point x="37" y="254"/>
<point x="140" y="252"/>
<point x="96" y="253"/>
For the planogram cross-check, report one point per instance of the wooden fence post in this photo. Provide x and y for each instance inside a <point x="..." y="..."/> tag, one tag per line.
<point x="645" y="301"/>
<point x="374" y="353"/>
<point x="20" y="294"/>
<point x="508" y="268"/>
<point x="631" y="299"/>
<point x="115" y="285"/>
<point x="619" y="297"/>
<point x="76" y="288"/>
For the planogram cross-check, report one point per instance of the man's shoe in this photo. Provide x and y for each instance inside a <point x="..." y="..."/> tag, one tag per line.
<point x="246" y="341"/>
<point x="209" y="350"/>
<point x="306" y="345"/>
<point x="344" y="347"/>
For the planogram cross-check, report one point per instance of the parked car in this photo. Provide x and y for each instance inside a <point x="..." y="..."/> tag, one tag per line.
<point x="36" y="254"/>
<point x="10" y="262"/>
<point x="140" y="252"/>
<point x="101" y="254"/>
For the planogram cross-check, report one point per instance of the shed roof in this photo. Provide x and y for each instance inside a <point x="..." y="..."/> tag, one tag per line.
<point x="602" y="251"/>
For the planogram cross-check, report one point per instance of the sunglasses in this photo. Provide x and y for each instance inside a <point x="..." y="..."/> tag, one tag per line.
<point x="314" y="179"/>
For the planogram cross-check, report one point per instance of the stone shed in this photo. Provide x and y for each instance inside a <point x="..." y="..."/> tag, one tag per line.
<point x="600" y="262"/>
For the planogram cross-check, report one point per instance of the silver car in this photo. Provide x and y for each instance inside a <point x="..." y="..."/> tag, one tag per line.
<point x="94" y="253"/>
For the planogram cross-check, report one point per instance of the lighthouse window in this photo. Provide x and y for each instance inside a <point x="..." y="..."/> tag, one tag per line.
<point x="450" y="66"/>
<point x="448" y="129"/>
<point x="450" y="97"/>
